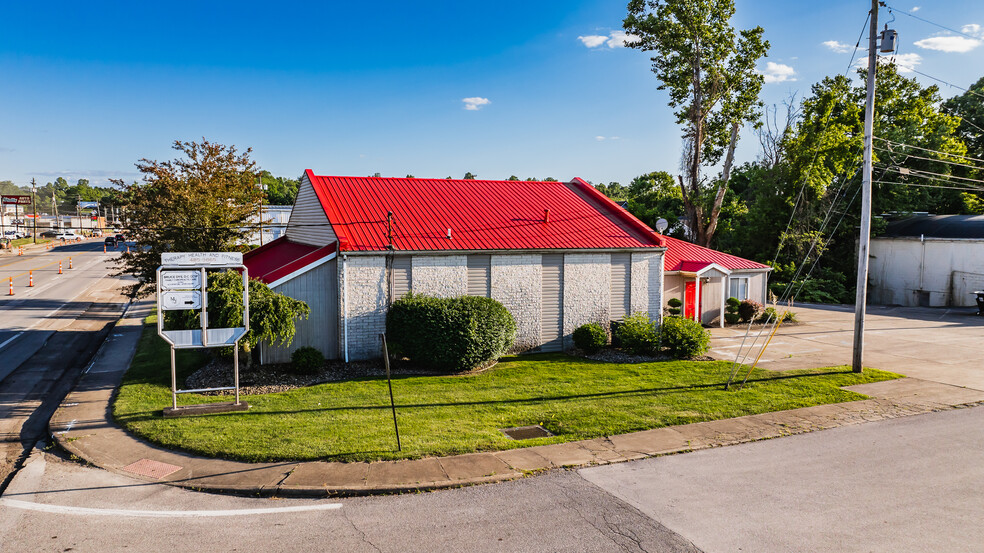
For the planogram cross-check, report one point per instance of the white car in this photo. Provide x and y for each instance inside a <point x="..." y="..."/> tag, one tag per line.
<point x="14" y="234"/>
<point x="67" y="236"/>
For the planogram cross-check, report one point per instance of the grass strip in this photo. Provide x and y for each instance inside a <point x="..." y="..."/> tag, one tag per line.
<point x="572" y="397"/>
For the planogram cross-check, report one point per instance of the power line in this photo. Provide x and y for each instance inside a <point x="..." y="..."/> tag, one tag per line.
<point x="893" y="10"/>
<point x="913" y="156"/>
<point x="928" y="149"/>
<point x="897" y="170"/>
<point x="947" y="83"/>
<point x="977" y="190"/>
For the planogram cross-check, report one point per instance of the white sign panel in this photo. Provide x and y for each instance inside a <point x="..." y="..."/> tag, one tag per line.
<point x="201" y="259"/>
<point x="176" y="301"/>
<point x="181" y="280"/>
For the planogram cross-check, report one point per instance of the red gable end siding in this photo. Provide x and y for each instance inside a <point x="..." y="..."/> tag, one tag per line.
<point x="684" y="256"/>
<point x="281" y="257"/>
<point x="481" y="215"/>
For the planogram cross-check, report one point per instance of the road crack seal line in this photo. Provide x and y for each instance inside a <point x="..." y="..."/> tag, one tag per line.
<point x="362" y="535"/>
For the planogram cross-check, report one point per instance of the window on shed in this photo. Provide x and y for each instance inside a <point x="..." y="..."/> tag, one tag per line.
<point x="479" y="275"/>
<point x="401" y="276"/>
<point x="739" y="288"/>
<point x="621" y="286"/>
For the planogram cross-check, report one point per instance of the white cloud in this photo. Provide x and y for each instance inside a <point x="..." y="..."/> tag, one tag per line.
<point x="778" y="72"/>
<point x="904" y="62"/>
<point x="615" y="39"/>
<point x="603" y="138"/>
<point x="600" y="138"/>
<point x="593" y="41"/>
<point x="915" y="9"/>
<point x="972" y="29"/>
<point x="957" y="44"/>
<point x="475" y="103"/>
<point x="838" y="47"/>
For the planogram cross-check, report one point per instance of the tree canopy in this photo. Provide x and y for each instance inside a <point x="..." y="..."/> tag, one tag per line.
<point x="709" y="72"/>
<point x="202" y="201"/>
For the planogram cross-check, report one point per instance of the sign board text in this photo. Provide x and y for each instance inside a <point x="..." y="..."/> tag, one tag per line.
<point x="181" y="280"/>
<point x="201" y="259"/>
<point x="177" y="301"/>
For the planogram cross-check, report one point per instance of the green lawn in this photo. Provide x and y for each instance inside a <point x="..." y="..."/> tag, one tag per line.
<point x="572" y="397"/>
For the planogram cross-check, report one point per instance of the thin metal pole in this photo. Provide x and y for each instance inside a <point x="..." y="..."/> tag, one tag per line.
<point x="386" y="361"/>
<point x="174" y="382"/>
<point x="235" y="368"/>
<point x="34" y="206"/>
<point x="864" y="238"/>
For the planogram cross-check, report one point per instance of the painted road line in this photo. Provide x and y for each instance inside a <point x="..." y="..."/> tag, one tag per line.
<point x="88" y="511"/>
<point x="11" y="339"/>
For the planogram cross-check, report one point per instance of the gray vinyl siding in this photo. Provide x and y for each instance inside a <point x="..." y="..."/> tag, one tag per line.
<point x="552" y="303"/>
<point x="621" y="286"/>
<point x="401" y="276"/>
<point x="319" y="289"/>
<point x="308" y="223"/>
<point x="479" y="275"/>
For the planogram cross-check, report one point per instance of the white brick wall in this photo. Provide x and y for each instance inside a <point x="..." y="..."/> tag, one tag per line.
<point x="516" y="284"/>
<point x="367" y="302"/>
<point x="647" y="284"/>
<point x="443" y="276"/>
<point x="587" y="291"/>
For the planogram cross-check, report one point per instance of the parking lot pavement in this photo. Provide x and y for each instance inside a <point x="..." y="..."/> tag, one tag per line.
<point x="938" y="344"/>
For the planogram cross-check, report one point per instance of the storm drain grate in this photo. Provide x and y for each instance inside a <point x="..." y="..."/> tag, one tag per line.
<point x="153" y="469"/>
<point x="526" y="432"/>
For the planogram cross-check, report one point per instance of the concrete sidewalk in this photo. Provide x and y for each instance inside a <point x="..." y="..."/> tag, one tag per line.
<point x="83" y="426"/>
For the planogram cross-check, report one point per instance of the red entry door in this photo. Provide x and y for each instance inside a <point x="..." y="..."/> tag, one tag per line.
<point x="690" y="300"/>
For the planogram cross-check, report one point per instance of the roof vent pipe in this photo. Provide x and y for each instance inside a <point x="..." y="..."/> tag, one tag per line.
<point x="546" y="215"/>
<point x="449" y="234"/>
<point x="389" y="229"/>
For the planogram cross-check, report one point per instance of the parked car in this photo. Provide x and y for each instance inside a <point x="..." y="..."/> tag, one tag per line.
<point x="67" y="236"/>
<point x="49" y="234"/>
<point x="14" y="234"/>
<point x="110" y="241"/>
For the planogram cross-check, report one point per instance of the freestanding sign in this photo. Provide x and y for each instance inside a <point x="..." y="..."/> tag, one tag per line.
<point x="182" y="285"/>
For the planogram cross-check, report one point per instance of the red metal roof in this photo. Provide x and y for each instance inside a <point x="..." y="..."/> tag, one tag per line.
<point x="481" y="215"/>
<point x="282" y="257"/>
<point x="684" y="256"/>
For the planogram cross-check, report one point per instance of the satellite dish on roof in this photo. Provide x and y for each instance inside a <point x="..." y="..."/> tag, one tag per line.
<point x="661" y="225"/>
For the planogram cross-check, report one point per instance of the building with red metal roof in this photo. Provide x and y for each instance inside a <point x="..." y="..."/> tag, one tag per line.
<point x="556" y="254"/>
<point x="703" y="279"/>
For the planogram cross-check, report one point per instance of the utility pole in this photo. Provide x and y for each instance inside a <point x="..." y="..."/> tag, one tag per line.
<point x="34" y="206"/>
<point x="864" y="239"/>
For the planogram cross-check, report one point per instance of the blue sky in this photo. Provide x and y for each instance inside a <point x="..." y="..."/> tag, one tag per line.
<point x="87" y="89"/>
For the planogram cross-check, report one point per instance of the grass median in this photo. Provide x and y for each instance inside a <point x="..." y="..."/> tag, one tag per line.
<point x="573" y="398"/>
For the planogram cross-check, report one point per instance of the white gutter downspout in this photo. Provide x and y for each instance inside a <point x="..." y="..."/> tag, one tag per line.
<point x="344" y="308"/>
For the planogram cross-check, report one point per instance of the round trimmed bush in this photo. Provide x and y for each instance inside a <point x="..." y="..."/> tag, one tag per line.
<point x="590" y="337"/>
<point x="683" y="338"/>
<point x="732" y="318"/>
<point x="748" y="309"/>
<point x="732" y="304"/>
<point x="449" y="334"/>
<point x="674" y="306"/>
<point x="307" y="360"/>
<point x="637" y="334"/>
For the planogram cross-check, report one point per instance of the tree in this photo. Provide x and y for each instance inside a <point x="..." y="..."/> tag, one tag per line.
<point x="279" y="190"/>
<point x="513" y="177"/>
<point x="200" y="202"/>
<point x="969" y="107"/>
<point x="469" y="176"/>
<point x="650" y="197"/>
<point x="713" y="87"/>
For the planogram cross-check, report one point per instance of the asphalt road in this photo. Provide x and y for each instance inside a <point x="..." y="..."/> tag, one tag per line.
<point x="909" y="484"/>
<point x="48" y="333"/>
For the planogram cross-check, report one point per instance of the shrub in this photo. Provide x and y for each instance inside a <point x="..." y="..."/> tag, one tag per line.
<point x="683" y="338"/>
<point x="590" y="337"/>
<point x="674" y="306"/>
<point x="768" y="315"/>
<point x="306" y="360"/>
<point x="732" y="318"/>
<point x="731" y="304"/>
<point x="748" y="309"/>
<point x="789" y="317"/>
<point x="638" y="334"/>
<point x="449" y="334"/>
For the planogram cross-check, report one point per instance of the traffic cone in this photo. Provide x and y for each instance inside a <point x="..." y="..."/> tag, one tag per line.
<point x="69" y="262"/>
<point x="30" y="279"/>
<point x="59" y="267"/>
<point x="11" y="286"/>
<point x="20" y="250"/>
<point x="104" y="248"/>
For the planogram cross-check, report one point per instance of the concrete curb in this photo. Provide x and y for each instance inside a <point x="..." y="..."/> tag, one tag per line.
<point x="83" y="426"/>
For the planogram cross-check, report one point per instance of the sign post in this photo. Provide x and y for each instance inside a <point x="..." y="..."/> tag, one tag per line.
<point x="182" y="284"/>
